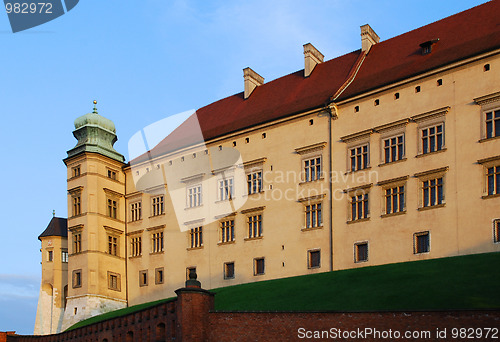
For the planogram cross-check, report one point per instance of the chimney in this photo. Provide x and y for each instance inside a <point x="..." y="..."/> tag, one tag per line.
<point x="368" y="38"/>
<point x="312" y="57"/>
<point x="252" y="80"/>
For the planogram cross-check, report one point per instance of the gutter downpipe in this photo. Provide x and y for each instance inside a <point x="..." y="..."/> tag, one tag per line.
<point x="334" y="114"/>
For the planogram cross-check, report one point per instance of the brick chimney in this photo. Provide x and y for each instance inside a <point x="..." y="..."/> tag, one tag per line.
<point x="312" y="57"/>
<point x="368" y="38"/>
<point x="252" y="80"/>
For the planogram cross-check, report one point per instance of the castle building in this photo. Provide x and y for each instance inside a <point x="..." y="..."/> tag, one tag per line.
<point x="386" y="154"/>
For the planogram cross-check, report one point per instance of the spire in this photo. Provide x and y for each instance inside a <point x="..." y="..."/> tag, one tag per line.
<point x="95" y="107"/>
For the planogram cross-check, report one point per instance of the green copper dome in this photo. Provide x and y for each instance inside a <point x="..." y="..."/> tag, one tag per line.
<point x="95" y="134"/>
<point x="96" y="120"/>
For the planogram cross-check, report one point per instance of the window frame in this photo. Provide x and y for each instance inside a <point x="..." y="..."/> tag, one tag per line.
<point x="197" y="196"/>
<point x="488" y="104"/>
<point x="384" y="147"/>
<point x="226" y="230"/>
<point x="255" y="185"/>
<point x="309" y="170"/>
<point x="350" y="156"/>
<point x="110" y="277"/>
<point x="157" y="205"/>
<point x="195" y="237"/>
<point x="157" y="241"/>
<point x="496" y="230"/>
<point x="159" y="275"/>
<point x="357" y="258"/>
<point x="310" y="258"/>
<point x="225" y="188"/>
<point x="416" y="236"/>
<point x="354" y="193"/>
<point x="315" y="214"/>
<point x="143" y="278"/>
<point x="256" y="266"/>
<point x="77" y="278"/>
<point x="225" y="270"/>
<point x="136" y="211"/>
<point x="254" y="223"/>
<point x="135" y="245"/>
<point x="428" y="176"/>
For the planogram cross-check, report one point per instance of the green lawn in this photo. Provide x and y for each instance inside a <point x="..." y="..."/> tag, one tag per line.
<point x="465" y="282"/>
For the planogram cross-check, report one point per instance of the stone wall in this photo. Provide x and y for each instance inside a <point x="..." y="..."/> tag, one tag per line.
<point x="190" y="317"/>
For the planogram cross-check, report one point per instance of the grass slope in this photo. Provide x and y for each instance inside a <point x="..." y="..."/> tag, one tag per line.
<point x="465" y="282"/>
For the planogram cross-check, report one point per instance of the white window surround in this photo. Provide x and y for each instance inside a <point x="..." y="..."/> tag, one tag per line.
<point x="355" y="142"/>
<point x="488" y="103"/>
<point x="428" y="120"/>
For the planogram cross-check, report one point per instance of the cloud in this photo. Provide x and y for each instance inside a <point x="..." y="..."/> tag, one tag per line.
<point x="15" y="286"/>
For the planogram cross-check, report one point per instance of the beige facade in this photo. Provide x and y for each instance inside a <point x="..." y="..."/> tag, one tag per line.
<point x="364" y="166"/>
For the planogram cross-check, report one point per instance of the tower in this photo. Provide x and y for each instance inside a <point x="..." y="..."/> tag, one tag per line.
<point x="96" y="221"/>
<point x="53" y="288"/>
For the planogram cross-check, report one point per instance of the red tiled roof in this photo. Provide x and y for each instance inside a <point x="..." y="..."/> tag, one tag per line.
<point x="461" y="36"/>
<point x="279" y="98"/>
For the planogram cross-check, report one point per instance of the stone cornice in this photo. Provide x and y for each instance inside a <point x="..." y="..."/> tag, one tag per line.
<point x="311" y="148"/>
<point x="487" y="99"/>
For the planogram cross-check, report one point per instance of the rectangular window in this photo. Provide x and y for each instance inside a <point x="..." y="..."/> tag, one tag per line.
<point x="312" y="169"/>
<point x="255" y="226"/>
<point x="112" y="245"/>
<point x="359" y="157"/>
<point x="258" y="266"/>
<point x="143" y="278"/>
<point x="194" y="196"/>
<point x="157" y="242"/>
<point x="226" y="189"/>
<point x="64" y="256"/>
<point x="361" y="252"/>
<point x="313" y="215"/>
<point x="254" y="182"/>
<point x="421" y="242"/>
<point x="77" y="278"/>
<point x="136" y="246"/>
<point x="158" y="206"/>
<point x="136" y="211"/>
<point x="433" y="138"/>
<point x="77" y="209"/>
<point x="314" y="259"/>
<point x="229" y="270"/>
<point x="112" y="174"/>
<point x="493" y="124"/>
<point x="159" y="276"/>
<point x="432" y="192"/>
<point x="114" y="281"/>
<point x="394" y="149"/>
<point x="493" y="180"/>
<point x="112" y="208"/>
<point x="75" y="172"/>
<point x="359" y="207"/>
<point x="395" y="200"/>
<point x="196" y="237"/>
<point x="227" y="231"/>
<point x="77" y="242"/>
<point x="496" y="230"/>
<point x="50" y="256"/>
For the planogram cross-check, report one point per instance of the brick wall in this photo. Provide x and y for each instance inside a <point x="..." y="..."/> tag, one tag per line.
<point x="189" y="317"/>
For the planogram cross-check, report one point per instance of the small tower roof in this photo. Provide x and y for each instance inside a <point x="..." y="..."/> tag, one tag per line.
<point x="58" y="226"/>
<point x="95" y="134"/>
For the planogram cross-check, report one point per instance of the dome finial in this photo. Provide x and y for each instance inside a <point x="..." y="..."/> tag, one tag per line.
<point x="95" y="108"/>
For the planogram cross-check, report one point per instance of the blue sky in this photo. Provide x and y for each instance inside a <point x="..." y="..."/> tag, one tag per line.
<point x="143" y="61"/>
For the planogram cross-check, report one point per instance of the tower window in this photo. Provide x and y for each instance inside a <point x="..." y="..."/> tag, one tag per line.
<point x="486" y="67"/>
<point x="417" y="89"/>
<point x="396" y="96"/>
